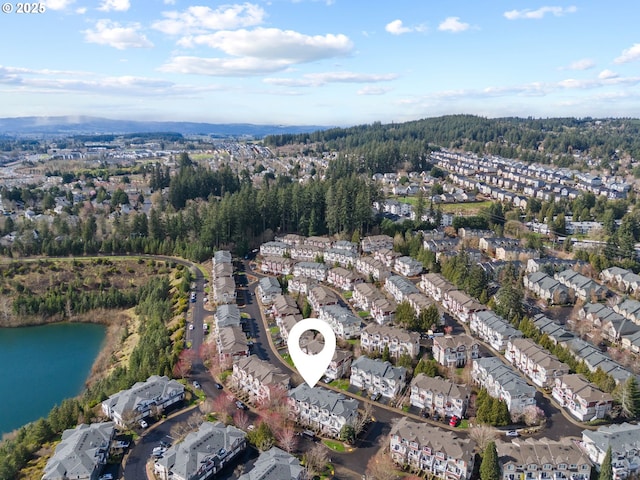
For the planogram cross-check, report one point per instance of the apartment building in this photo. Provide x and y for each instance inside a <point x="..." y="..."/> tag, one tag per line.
<point x="258" y="378"/>
<point x="581" y="398"/>
<point x="503" y="383"/>
<point x="374" y="338"/>
<point x="535" y="362"/>
<point x="439" y="395"/>
<point x="455" y="350"/>
<point x="624" y="440"/>
<point x="377" y="377"/>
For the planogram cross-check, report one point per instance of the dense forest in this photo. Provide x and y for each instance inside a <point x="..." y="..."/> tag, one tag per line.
<point x="388" y="147"/>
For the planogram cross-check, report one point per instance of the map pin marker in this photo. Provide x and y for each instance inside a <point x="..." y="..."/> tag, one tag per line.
<point x="311" y="367"/>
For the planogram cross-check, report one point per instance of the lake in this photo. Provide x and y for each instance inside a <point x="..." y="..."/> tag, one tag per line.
<point x="41" y="366"/>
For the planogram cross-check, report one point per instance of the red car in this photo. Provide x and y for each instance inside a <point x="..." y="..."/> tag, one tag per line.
<point x="454" y="421"/>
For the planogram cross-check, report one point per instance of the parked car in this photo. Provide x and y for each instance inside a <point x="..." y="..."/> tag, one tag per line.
<point x="106" y="476"/>
<point x="375" y="396"/>
<point x="143" y="424"/>
<point x="158" y="452"/>
<point x="218" y="386"/>
<point x="241" y="405"/>
<point x="513" y="433"/>
<point x="196" y="384"/>
<point x="454" y="421"/>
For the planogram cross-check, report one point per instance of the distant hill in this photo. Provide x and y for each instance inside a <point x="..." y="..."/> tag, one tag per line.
<point x="83" y="125"/>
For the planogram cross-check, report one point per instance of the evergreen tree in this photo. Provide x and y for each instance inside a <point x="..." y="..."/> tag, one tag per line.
<point x="490" y="467"/>
<point x="606" y="469"/>
<point x="629" y="397"/>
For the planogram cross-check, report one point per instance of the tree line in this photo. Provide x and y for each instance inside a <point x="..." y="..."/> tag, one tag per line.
<point x="386" y="147"/>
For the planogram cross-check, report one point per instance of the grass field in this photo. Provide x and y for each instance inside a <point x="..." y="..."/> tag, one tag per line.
<point x="335" y="446"/>
<point x="342" y="384"/>
<point x="466" y="208"/>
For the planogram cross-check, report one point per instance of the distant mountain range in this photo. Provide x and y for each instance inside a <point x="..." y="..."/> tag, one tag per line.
<point x="83" y="125"/>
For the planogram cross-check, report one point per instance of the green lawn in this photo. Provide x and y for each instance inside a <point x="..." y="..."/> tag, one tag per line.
<point x="464" y="423"/>
<point x="274" y="330"/>
<point x="287" y="358"/>
<point x="341" y="383"/>
<point x="362" y="314"/>
<point x="347" y="294"/>
<point x="335" y="446"/>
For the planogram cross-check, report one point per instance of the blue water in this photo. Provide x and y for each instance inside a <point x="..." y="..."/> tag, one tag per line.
<point x="41" y="366"/>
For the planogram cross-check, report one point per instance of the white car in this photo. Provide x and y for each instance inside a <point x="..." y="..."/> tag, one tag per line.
<point x="512" y="433"/>
<point x="196" y="384"/>
<point x="191" y="326"/>
<point x="143" y="424"/>
<point x="106" y="476"/>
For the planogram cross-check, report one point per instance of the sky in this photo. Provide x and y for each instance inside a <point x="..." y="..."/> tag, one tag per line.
<point x="320" y="62"/>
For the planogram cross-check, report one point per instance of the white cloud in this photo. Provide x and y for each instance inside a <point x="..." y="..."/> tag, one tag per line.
<point x="369" y="90"/>
<point x="272" y="43"/>
<point x="583" y="64"/>
<point x="199" y="19"/>
<point x="169" y="2"/>
<point x="629" y="55"/>
<point x="81" y="10"/>
<point x="223" y="67"/>
<point x="396" y="27"/>
<point x="453" y="24"/>
<point x="117" y="36"/>
<point x="539" y="13"/>
<point x="57" y="4"/>
<point x="607" y="74"/>
<point x="114" y="5"/>
<point x="319" y="79"/>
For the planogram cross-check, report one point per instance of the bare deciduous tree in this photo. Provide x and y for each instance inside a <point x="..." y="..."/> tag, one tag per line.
<point x="482" y="435"/>
<point x="381" y="467"/>
<point x="241" y="419"/>
<point x="315" y="459"/>
<point x="363" y="418"/>
<point x="287" y="438"/>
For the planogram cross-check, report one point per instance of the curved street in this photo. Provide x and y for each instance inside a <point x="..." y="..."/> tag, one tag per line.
<point x="350" y="465"/>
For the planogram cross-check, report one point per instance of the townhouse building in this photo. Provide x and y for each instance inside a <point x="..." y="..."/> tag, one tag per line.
<point x="371" y="267"/>
<point x="624" y="440"/>
<point x="322" y="410"/>
<point x="291" y="239"/>
<point x="583" y="287"/>
<point x="622" y="279"/>
<point x="302" y="285"/>
<point x="407" y="266"/>
<point x="373" y="243"/>
<point x="275" y="464"/>
<point x="323" y="243"/>
<point x="510" y="254"/>
<point x="377" y="377"/>
<point x="268" y="289"/>
<point x="439" y="395"/>
<point x="580" y="398"/>
<point x="503" y="383"/>
<point x="387" y="256"/>
<point x="284" y="305"/>
<point x="274" y="249"/>
<point x="286" y="323"/>
<point x="542" y="459"/>
<point x="344" y="258"/>
<point x="313" y="270"/>
<point x="399" y="287"/>
<point x="232" y="344"/>
<point x="82" y="452"/>
<point x="306" y="253"/>
<point x="383" y="310"/>
<point x="419" y="302"/>
<point x="143" y="399"/>
<point x="493" y="329"/>
<point x="436" y="286"/>
<point x="490" y="244"/>
<point x="221" y="256"/>
<point x="224" y="290"/>
<point x="227" y="316"/>
<point x="629" y="309"/>
<point x="547" y="288"/>
<point x="364" y="294"/>
<point x="340" y="365"/>
<point x="375" y="338"/>
<point x="461" y="305"/>
<point x="346" y="245"/>
<point x="344" y="323"/>
<point x="344" y="279"/>
<point x="455" y="350"/>
<point x="202" y="453"/>
<point x="612" y="326"/>
<point x="276" y="265"/>
<point x="535" y="362"/>
<point x="320" y="297"/>
<point x="431" y="450"/>
<point x="258" y="379"/>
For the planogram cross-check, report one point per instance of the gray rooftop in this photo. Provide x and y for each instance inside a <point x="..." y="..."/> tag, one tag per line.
<point x="335" y="403"/>
<point x="275" y="464"/>
<point x="379" y="368"/>
<point x="82" y="451"/>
